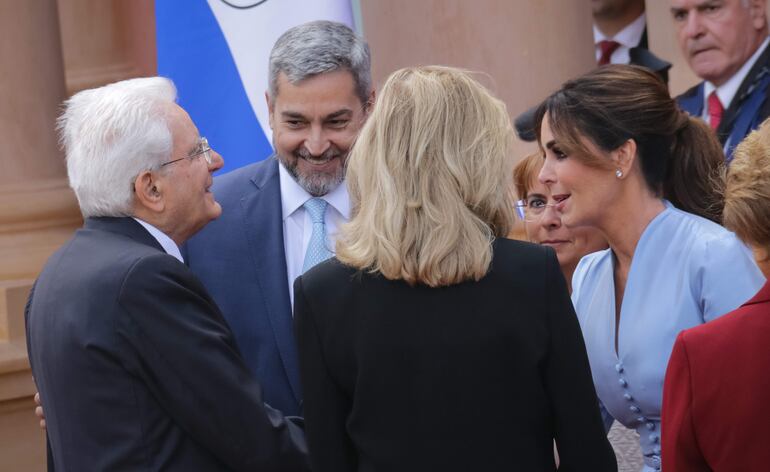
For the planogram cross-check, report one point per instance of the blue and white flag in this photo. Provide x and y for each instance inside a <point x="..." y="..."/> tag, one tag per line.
<point x="217" y="52"/>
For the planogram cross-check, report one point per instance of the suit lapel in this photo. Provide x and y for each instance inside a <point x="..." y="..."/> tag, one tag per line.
<point x="731" y="113"/>
<point x="263" y="221"/>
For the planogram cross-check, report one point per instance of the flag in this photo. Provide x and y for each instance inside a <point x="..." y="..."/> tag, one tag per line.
<point x="217" y="53"/>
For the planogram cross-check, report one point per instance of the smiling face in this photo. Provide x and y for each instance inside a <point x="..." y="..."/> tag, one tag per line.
<point x="186" y="184"/>
<point x="570" y="244"/>
<point x="582" y="192"/>
<point x="314" y="124"/>
<point x="718" y="36"/>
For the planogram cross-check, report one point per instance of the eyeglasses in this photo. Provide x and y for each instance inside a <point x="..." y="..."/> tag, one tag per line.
<point x="533" y="209"/>
<point x="203" y="149"/>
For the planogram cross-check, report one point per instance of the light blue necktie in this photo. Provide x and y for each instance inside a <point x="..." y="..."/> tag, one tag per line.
<point x="317" y="249"/>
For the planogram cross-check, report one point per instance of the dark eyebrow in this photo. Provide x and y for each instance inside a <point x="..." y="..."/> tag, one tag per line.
<point x="339" y="113"/>
<point x="550" y="144"/>
<point x="536" y="195"/>
<point x="292" y="115"/>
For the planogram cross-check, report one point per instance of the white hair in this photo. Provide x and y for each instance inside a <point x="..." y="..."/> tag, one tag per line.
<point x="110" y="135"/>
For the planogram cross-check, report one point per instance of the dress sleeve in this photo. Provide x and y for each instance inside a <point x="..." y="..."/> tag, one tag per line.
<point x="680" y="450"/>
<point x="579" y="431"/>
<point x="326" y="406"/>
<point x="729" y="276"/>
<point x="183" y="351"/>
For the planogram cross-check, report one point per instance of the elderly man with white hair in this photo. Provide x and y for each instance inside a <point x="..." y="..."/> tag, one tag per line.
<point x="725" y="44"/>
<point x="136" y="367"/>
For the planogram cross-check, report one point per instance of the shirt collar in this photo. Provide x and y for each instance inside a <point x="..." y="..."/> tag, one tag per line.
<point x="165" y="242"/>
<point x="726" y="92"/>
<point x="293" y="196"/>
<point x="630" y="36"/>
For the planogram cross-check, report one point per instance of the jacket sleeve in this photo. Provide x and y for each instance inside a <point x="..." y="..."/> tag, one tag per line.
<point x="680" y="451"/>
<point x="579" y="430"/>
<point x="326" y="406"/>
<point x="184" y="352"/>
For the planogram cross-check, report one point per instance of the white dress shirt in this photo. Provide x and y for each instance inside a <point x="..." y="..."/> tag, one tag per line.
<point x="628" y="38"/>
<point x="297" y="226"/>
<point x="726" y="92"/>
<point x="167" y="243"/>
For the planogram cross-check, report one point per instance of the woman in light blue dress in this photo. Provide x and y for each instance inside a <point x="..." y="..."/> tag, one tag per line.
<point x="622" y="158"/>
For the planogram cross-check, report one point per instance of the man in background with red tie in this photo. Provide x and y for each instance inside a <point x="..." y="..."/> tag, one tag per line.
<point x="725" y="44"/>
<point x="620" y="37"/>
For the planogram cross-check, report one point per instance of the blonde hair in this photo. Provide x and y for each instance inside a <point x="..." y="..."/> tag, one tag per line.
<point x="747" y="189"/>
<point x="525" y="172"/>
<point x="429" y="179"/>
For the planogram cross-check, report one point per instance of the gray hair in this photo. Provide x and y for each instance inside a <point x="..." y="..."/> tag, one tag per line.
<point x="317" y="47"/>
<point x="110" y="135"/>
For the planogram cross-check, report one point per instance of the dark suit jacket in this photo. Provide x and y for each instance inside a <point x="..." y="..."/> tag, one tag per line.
<point x="691" y="101"/>
<point x="475" y="376"/>
<point x="137" y="369"/>
<point x="716" y="393"/>
<point x="241" y="261"/>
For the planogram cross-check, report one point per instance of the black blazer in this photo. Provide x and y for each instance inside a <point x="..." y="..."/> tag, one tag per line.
<point x="475" y="376"/>
<point x="137" y="369"/>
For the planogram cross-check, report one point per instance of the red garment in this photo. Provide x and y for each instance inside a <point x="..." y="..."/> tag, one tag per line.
<point x="717" y="391"/>
<point x="715" y="110"/>
<point x="607" y="47"/>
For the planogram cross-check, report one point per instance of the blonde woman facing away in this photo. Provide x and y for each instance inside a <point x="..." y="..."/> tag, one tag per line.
<point x="431" y="343"/>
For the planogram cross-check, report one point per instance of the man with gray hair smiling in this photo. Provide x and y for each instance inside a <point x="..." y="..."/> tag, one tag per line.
<point x="136" y="367"/>
<point x="280" y="215"/>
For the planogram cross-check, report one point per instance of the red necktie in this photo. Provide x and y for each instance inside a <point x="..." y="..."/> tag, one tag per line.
<point x="607" y="47"/>
<point x="715" y="110"/>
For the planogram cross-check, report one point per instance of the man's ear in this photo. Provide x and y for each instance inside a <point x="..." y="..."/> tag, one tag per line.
<point x="148" y="189"/>
<point x="369" y="103"/>
<point x="758" y="12"/>
<point x="270" y="108"/>
<point x="624" y="157"/>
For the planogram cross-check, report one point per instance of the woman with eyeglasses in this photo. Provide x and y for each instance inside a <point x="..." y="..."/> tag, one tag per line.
<point x="543" y="223"/>
<point x="622" y="158"/>
<point x="431" y="342"/>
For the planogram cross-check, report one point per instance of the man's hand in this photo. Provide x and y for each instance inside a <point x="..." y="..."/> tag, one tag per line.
<point x="39" y="410"/>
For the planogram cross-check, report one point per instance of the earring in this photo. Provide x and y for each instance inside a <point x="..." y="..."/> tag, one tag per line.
<point x="618" y="173"/>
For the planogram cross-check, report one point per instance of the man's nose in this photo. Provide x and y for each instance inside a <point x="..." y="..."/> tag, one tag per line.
<point x="317" y="143"/>
<point x="693" y="27"/>
<point x="217" y="161"/>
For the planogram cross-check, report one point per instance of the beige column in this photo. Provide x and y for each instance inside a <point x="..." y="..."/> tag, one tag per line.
<point x="525" y="48"/>
<point x="37" y="209"/>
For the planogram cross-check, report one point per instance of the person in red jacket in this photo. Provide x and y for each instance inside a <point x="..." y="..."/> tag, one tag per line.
<point x="717" y="389"/>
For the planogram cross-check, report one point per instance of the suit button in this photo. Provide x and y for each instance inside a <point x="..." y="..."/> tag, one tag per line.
<point x="654" y="438"/>
<point x="651" y="426"/>
<point x="641" y="419"/>
<point x="619" y="367"/>
<point x="623" y="383"/>
<point x="628" y="396"/>
<point x="634" y="408"/>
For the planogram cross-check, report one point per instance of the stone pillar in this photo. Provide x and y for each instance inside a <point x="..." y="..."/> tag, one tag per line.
<point x="525" y="49"/>
<point x="37" y="209"/>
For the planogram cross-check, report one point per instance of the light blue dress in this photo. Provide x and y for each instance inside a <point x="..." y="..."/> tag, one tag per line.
<point x="685" y="271"/>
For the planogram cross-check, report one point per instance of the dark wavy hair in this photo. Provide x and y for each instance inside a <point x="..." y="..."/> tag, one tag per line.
<point x="681" y="158"/>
